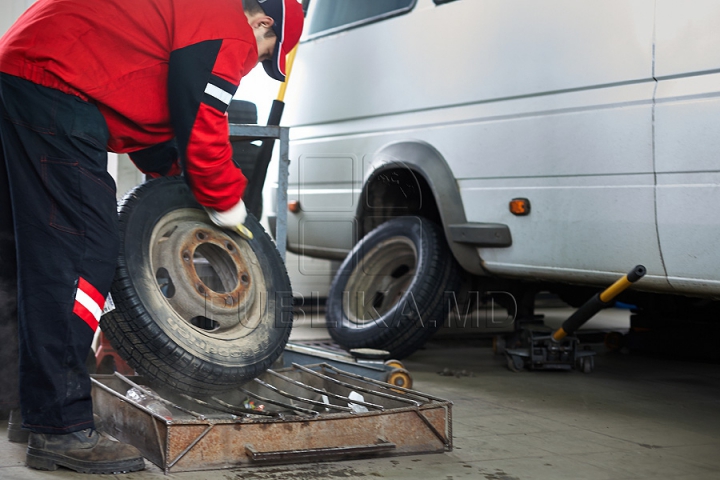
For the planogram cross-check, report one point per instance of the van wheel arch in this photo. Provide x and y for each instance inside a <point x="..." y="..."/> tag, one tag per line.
<point x="413" y="178"/>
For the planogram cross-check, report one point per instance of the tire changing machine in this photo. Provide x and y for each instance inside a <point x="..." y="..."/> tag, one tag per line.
<point x="540" y="349"/>
<point x="313" y="405"/>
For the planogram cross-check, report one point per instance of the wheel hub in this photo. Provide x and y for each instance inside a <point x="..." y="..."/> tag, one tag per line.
<point x="209" y="277"/>
<point x="379" y="282"/>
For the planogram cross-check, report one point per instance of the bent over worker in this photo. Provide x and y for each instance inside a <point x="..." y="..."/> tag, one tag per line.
<point x="152" y="78"/>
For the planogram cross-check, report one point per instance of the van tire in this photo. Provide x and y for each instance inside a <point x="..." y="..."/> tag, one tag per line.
<point x="245" y="310"/>
<point x="389" y="292"/>
<point x="244" y="153"/>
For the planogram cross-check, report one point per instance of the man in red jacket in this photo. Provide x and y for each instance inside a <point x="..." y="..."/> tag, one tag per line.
<point x="152" y="78"/>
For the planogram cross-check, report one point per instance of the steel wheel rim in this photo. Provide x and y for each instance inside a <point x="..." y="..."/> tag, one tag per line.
<point x="380" y="280"/>
<point x="211" y="280"/>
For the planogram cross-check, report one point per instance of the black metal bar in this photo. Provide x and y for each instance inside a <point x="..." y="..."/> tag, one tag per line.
<point x="324" y="392"/>
<point x="249" y="133"/>
<point x="253" y="192"/>
<point x="598" y="302"/>
<point x="301" y="399"/>
<point x="355" y="387"/>
<point x="247" y="411"/>
<point x="382" y="384"/>
<point x="320" y="453"/>
<point x="122" y="377"/>
<point x="287" y="406"/>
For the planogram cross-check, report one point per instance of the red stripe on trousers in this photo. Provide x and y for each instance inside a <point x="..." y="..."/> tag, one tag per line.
<point x="92" y="292"/>
<point x="82" y="312"/>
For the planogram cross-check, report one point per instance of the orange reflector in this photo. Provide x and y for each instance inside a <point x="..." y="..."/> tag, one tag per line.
<point x="294" y="206"/>
<point x="520" y="206"/>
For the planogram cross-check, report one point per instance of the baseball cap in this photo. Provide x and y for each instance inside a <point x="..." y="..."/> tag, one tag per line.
<point x="288" y="24"/>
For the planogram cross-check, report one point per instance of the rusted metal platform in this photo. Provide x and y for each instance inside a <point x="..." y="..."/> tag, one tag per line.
<point x="296" y="414"/>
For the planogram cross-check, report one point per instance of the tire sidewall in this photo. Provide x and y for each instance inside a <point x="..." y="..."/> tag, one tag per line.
<point x="418" y="231"/>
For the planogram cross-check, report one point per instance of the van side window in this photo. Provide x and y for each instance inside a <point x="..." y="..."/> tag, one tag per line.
<point x="328" y="16"/>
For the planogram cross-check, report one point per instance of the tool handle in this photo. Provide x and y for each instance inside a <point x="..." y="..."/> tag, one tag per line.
<point x="253" y="192"/>
<point x="597" y="302"/>
<point x="254" y="189"/>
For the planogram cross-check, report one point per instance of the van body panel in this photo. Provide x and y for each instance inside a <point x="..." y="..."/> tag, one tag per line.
<point x="603" y="113"/>
<point x="687" y="122"/>
<point x="469" y="51"/>
<point x="687" y="37"/>
<point x="577" y="223"/>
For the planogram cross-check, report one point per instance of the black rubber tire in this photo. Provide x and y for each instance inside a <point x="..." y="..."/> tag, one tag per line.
<point x="414" y="310"/>
<point x="245" y="157"/>
<point x="243" y="112"/>
<point x="245" y="154"/>
<point x="150" y="334"/>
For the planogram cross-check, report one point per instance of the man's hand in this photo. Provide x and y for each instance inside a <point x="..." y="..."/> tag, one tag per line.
<point x="232" y="219"/>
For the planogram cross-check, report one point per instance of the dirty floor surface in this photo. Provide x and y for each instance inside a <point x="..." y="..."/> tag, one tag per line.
<point x="636" y="417"/>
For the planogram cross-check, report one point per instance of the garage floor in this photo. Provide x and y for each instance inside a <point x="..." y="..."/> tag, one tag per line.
<point x="635" y="417"/>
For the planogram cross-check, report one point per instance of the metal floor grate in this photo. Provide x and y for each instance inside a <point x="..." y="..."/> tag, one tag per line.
<point x="296" y="414"/>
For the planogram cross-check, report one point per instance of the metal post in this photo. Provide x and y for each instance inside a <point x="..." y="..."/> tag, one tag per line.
<point x="282" y="196"/>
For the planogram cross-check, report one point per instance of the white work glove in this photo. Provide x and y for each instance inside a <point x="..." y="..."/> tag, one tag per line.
<point x="233" y="219"/>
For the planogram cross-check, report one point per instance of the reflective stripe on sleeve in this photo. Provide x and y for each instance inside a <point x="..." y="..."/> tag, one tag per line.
<point x="219" y="93"/>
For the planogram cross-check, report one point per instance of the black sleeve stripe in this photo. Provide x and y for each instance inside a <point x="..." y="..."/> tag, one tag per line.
<point x="189" y="72"/>
<point x="219" y="93"/>
<point x="215" y="102"/>
<point x="223" y="84"/>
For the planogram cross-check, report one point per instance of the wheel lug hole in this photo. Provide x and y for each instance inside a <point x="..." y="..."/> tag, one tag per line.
<point x="229" y="301"/>
<point x="244" y="278"/>
<point x="186" y="256"/>
<point x="200" y="236"/>
<point x="229" y="246"/>
<point x="201" y="289"/>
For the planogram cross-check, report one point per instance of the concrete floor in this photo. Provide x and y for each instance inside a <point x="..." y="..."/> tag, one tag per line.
<point x="635" y="417"/>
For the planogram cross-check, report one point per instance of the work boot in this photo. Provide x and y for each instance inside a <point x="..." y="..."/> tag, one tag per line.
<point x="16" y="433"/>
<point x="86" y="451"/>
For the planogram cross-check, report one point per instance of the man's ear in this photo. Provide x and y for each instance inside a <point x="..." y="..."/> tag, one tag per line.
<point x="261" y="21"/>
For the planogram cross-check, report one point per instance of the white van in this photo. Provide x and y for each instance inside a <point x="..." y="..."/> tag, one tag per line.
<point x="601" y="118"/>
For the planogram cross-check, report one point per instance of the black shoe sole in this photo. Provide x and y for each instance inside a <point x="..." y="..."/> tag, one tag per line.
<point x="42" y="460"/>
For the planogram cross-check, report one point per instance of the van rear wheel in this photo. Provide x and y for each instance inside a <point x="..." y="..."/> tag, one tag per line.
<point x="388" y="293"/>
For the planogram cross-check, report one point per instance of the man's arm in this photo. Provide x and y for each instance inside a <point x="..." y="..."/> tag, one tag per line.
<point x="202" y="80"/>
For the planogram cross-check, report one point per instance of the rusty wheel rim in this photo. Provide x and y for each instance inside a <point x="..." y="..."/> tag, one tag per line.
<point x="210" y="278"/>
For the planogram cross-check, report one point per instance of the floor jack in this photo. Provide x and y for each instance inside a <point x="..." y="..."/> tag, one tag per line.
<point x="560" y="350"/>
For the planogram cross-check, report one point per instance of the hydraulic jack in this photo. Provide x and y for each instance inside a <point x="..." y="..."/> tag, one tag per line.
<point x="559" y="350"/>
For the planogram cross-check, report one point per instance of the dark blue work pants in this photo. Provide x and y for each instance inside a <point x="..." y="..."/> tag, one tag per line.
<point x="58" y="248"/>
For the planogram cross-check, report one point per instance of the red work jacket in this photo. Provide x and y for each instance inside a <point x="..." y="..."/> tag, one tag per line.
<point x="160" y="71"/>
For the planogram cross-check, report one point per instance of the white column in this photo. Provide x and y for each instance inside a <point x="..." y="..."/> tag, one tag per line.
<point x="124" y="172"/>
<point x="10" y="10"/>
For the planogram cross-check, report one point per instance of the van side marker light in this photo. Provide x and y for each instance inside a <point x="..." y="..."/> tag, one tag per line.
<point x="520" y="206"/>
<point x="294" y="206"/>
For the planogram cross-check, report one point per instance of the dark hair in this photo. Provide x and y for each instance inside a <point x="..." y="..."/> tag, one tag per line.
<point x="252" y="7"/>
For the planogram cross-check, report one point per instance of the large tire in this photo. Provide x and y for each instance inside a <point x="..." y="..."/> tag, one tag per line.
<point x="198" y="308"/>
<point x="242" y="111"/>
<point x="245" y="154"/>
<point x="389" y="292"/>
